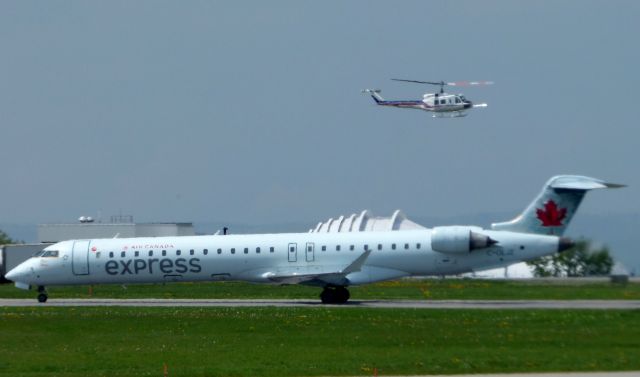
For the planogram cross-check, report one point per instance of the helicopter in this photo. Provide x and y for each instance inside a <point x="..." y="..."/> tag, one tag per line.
<point x="442" y="105"/>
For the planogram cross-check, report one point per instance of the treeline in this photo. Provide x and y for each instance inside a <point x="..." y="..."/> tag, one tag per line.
<point x="580" y="260"/>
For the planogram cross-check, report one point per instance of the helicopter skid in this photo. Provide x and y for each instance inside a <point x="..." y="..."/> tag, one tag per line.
<point x="450" y="114"/>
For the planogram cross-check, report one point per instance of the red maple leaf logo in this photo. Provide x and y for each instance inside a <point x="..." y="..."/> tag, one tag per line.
<point x="551" y="215"/>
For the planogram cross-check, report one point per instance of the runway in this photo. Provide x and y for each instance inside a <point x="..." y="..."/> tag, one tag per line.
<point x="402" y="304"/>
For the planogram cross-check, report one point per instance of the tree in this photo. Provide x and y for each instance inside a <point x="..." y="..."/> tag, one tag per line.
<point x="580" y="260"/>
<point x="4" y="238"/>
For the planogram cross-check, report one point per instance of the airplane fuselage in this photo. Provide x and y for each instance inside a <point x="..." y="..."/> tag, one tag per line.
<point x="272" y="258"/>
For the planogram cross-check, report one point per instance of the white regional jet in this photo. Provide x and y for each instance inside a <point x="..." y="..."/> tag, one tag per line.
<point x="332" y="261"/>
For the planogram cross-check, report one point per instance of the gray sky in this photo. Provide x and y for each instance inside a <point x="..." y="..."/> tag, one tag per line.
<point x="251" y="111"/>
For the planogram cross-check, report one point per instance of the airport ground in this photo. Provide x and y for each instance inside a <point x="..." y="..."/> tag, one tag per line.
<point x="321" y="341"/>
<point x="316" y="340"/>
<point x="405" y="289"/>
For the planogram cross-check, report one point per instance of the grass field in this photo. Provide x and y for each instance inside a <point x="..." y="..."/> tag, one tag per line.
<point x="414" y="289"/>
<point x="46" y="341"/>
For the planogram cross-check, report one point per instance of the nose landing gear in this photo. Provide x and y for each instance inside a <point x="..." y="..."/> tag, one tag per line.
<point x="334" y="295"/>
<point x="42" y="294"/>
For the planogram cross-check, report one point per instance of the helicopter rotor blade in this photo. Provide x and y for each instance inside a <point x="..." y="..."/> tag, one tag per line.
<point x="469" y="83"/>
<point x="422" y="82"/>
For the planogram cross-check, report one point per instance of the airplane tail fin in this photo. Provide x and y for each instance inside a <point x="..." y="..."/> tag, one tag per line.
<point x="552" y="210"/>
<point x="375" y="94"/>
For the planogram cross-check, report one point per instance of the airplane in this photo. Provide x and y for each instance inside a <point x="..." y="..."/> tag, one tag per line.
<point x="333" y="261"/>
<point x="442" y="105"/>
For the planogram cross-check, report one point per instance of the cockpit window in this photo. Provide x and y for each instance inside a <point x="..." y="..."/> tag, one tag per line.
<point x="38" y="253"/>
<point x="50" y="253"/>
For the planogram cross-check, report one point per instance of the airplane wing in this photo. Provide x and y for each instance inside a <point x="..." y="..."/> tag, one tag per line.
<point x="295" y="275"/>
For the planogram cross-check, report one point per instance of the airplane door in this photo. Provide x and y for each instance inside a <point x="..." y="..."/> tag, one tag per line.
<point x="80" y="258"/>
<point x="293" y="252"/>
<point x="310" y="252"/>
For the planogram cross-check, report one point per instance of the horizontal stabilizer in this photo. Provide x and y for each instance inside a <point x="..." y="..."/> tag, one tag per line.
<point x="576" y="182"/>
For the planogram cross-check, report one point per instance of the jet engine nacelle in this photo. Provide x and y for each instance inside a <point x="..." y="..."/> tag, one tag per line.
<point x="459" y="239"/>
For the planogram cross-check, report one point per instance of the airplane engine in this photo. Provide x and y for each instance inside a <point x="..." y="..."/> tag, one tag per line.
<point x="459" y="239"/>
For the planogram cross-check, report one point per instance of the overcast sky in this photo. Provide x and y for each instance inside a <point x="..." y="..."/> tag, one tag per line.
<point x="251" y="111"/>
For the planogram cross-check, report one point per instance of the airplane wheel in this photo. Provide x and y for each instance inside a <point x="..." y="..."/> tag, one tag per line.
<point x="342" y="295"/>
<point x="328" y="296"/>
<point x="42" y="297"/>
<point x="338" y="295"/>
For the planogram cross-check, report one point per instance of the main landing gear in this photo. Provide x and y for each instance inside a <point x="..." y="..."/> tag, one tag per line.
<point x="334" y="295"/>
<point x="42" y="294"/>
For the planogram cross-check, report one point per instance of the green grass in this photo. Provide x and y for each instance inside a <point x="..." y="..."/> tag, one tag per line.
<point x="39" y="341"/>
<point x="413" y="289"/>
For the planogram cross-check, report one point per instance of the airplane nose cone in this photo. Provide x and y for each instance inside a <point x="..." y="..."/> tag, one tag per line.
<point x="18" y="273"/>
<point x="565" y="243"/>
<point x="12" y="275"/>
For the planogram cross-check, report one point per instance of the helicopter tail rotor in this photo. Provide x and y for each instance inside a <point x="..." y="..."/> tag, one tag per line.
<point x="375" y="94"/>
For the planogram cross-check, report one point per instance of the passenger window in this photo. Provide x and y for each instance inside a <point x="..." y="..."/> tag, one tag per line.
<point x="271" y="249"/>
<point x="351" y="247"/>
<point x="205" y="251"/>
<point x="122" y="254"/>
<point x="111" y="254"/>
<point x="406" y="246"/>
<point x="366" y="247"/>
<point x="393" y="246"/>
<point x="178" y="252"/>
<point x="233" y="250"/>
<point x="150" y="253"/>
<point x="324" y="248"/>
<point x="98" y="255"/>
<point x="246" y="250"/>
<point x="137" y="253"/>
<point x="292" y="249"/>
<point x="309" y="248"/>
<point x="418" y="246"/>
<point x="257" y="250"/>
<point x="191" y="252"/>
<point x="164" y="253"/>
<point x="337" y="247"/>
<point x="219" y="251"/>
<point x="379" y="246"/>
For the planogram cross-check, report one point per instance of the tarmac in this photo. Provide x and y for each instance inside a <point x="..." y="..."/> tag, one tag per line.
<point x="401" y="304"/>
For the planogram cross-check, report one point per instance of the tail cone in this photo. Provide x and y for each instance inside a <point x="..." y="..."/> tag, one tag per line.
<point x="565" y="243"/>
